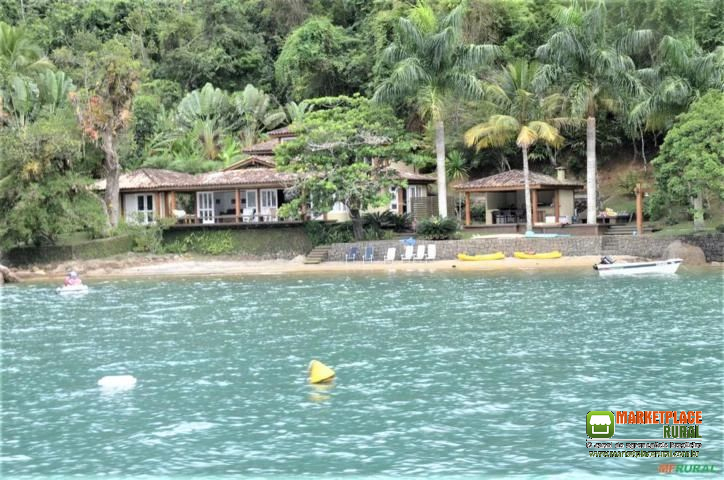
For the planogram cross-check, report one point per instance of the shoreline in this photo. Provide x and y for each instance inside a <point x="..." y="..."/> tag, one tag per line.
<point x="175" y="267"/>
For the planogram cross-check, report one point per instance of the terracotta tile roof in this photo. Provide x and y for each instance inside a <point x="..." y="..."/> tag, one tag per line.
<point x="281" y="132"/>
<point x="246" y="176"/>
<point x="253" y="161"/>
<point x="417" y="177"/>
<point x="148" y="178"/>
<point x="513" y="179"/>
<point x="265" y="147"/>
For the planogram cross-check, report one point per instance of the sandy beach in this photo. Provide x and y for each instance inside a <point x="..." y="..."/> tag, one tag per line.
<point x="178" y="266"/>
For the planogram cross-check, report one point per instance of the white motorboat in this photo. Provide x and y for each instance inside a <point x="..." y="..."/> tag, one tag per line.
<point x="72" y="289"/>
<point x="607" y="267"/>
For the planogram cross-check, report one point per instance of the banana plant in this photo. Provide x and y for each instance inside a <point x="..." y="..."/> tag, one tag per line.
<point x="257" y="113"/>
<point x="53" y="89"/>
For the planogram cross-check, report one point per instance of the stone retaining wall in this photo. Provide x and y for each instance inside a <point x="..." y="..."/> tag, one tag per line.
<point x="711" y="243"/>
<point x="644" y="246"/>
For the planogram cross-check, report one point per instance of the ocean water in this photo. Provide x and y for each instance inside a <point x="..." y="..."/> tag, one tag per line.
<point x="438" y="375"/>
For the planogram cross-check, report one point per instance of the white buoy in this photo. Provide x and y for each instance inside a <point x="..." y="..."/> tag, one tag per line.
<point x="117" y="382"/>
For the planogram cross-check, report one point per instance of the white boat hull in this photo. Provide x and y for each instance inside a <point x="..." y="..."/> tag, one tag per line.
<point x="666" y="267"/>
<point x="72" y="289"/>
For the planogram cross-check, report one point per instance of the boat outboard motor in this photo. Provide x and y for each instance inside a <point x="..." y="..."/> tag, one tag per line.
<point x="606" y="260"/>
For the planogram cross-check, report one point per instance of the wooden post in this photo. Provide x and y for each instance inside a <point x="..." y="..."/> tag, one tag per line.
<point x="400" y="199"/>
<point x="534" y="201"/>
<point x="557" y="205"/>
<point x="238" y="205"/>
<point x="157" y="206"/>
<point x="172" y="201"/>
<point x="639" y="209"/>
<point x="467" y="208"/>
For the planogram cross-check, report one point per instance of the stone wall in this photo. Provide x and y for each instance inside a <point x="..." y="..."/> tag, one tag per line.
<point x="711" y="243"/>
<point x="644" y="246"/>
<point x="448" y="249"/>
<point x="100" y="248"/>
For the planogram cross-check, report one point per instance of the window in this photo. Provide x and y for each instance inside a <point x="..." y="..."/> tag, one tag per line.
<point x="268" y="199"/>
<point x="250" y="198"/>
<point x="393" y="201"/>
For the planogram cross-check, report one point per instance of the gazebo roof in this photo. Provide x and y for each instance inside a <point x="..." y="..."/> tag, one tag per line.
<point x="514" y="180"/>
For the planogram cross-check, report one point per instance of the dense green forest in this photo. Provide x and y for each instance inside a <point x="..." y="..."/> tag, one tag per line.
<point x="90" y="88"/>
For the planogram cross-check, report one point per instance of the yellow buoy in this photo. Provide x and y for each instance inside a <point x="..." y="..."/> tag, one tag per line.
<point x="319" y="372"/>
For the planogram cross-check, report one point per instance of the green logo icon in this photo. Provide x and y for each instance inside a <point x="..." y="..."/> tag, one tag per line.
<point x="600" y="424"/>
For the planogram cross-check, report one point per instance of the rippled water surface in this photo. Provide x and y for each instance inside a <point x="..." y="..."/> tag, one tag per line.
<point x="449" y="375"/>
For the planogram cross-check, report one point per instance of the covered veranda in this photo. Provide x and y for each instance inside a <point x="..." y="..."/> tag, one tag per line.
<point x="503" y="196"/>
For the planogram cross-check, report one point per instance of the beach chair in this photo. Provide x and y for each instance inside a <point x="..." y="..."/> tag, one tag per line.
<point x="369" y="255"/>
<point x="390" y="257"/>
<point x="431" y="252"/>
<point x="351" y="254"/>
<point x="420" y="253"/>
<point x="409" y="253"/>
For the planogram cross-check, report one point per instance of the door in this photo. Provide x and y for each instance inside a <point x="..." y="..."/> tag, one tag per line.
<point x="144" y="208"/>
<point x="205" y="209"/>
<point x="268" y="202"/>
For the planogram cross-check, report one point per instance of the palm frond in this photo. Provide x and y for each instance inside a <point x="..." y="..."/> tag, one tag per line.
<point x="635" y="41"/>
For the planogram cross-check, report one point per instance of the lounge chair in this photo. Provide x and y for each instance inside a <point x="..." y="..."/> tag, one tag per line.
<point x="369" y="254"/>
<point x="431" y="252"/>
<point x="390" y="257"/>
<point x="247" y="215"/>
<point x="409" y="253"/>
<point x="420" y="253"/>
<point x="351" y="254"/>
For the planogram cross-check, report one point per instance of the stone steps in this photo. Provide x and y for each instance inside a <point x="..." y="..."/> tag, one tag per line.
<point x="625" y="230"/>
<point x="317" y="255"/>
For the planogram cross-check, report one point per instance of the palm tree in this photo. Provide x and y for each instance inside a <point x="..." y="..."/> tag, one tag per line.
<point x="681" y="73"/>
<point x="521" y="115"/>
<point x="18" y="53"/>
<point x="433" y="68"/>
<point x="593" y="70"/>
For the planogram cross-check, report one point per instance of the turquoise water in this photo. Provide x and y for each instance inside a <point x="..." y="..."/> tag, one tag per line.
<point x="438" y="375"/>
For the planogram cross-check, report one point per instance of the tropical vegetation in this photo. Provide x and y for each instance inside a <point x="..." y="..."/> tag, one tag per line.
<point x="91" y="89"/>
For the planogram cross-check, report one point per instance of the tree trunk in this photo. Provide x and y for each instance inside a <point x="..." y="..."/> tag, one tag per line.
<point x="592" y="211"/>
<point x="357" y="229"/>
<point x="528" y="207"/>
<point x="113" y="173"/>
<point x="698" y="201"/>
<point x="441" y="175"/>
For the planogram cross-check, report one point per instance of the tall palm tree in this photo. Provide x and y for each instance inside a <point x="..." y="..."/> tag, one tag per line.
<point x="432" y="67"/>
<point x="594" y="71"/>
<point x="521" y="115"/>
<point x="681" y="73"/>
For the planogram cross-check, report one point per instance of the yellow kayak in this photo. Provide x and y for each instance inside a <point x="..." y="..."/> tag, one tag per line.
<point x="476" y="258"/>
<point x="538" y="256"/>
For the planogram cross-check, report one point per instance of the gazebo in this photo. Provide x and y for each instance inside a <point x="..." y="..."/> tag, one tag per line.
<point x="504" y="195"/>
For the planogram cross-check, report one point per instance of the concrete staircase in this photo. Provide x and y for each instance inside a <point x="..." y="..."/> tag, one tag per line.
<point x="317" y="255"/>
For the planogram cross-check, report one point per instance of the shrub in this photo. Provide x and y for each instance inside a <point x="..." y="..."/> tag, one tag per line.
<point x="206" y="243"/>
<point x="321" y="233"/>
<point x="437" y="228"/>
<point x="477" y="212"/>
<point x="148" y="237"/>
